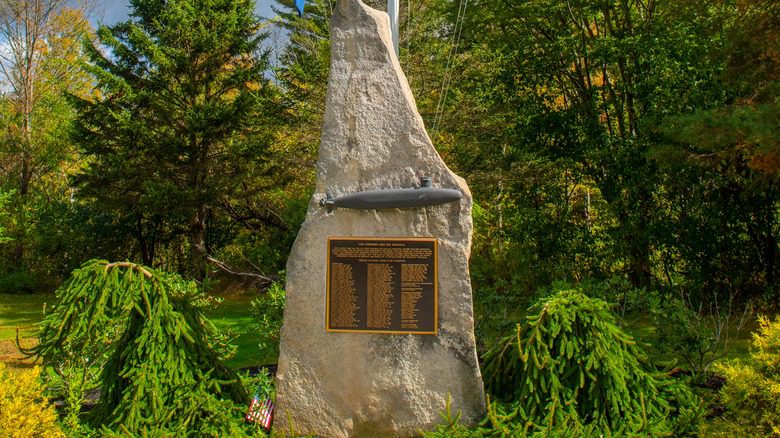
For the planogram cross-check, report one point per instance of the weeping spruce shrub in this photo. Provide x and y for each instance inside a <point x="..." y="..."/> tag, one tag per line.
<point x="162" y="374"/>
<point x="570" y="370"/>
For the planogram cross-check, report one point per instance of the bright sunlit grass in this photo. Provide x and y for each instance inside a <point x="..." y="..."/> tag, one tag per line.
<point x="25" y="311"/>
<point x="235" y="314"/>
<point x="22" y="312"/>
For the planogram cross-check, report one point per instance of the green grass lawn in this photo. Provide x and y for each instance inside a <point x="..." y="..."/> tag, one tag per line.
<point x="21" y="311"/>
<point x="235" y="314"/>
<point x="24" y="311"/>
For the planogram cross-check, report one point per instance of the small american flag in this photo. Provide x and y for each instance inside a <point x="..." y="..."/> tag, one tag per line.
<point x="261" y="411"/>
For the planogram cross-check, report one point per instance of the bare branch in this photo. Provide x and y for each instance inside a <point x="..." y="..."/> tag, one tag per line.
<point x="262" y="280"/>
<point x="132" y="266"/>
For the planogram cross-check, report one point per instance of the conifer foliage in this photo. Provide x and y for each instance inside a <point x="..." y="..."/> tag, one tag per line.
<point x="570" y="364"/>
<point x="162" y="371"/>
<point x="180" y="131"/>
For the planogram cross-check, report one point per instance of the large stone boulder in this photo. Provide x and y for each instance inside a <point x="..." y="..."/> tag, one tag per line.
<point x="375" y="385"/>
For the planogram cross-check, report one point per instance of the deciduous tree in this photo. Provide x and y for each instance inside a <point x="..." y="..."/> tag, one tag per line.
<point x="39" y="61"/>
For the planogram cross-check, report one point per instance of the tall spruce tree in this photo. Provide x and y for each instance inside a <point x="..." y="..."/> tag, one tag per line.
<point x="180" y="127"/>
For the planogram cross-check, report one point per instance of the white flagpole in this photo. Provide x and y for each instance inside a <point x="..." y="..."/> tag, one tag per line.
<point x="392" y="11"/>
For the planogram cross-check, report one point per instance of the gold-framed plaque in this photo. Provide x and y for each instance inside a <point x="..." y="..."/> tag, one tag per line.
<point x="382" y="285"/>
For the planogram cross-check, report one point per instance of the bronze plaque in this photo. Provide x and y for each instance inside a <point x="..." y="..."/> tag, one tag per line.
<point x="382" y="285"/>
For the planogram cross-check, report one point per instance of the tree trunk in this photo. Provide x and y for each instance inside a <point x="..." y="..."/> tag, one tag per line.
<point x="633" y="224"/>
<point x="639" y="261"/>
<point x="198" y="253"/>
<point x="25" y="178"/>
<point x="145" y="243"/>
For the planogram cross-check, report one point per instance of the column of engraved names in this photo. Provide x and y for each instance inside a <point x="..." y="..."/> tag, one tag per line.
<point x="380" y="278"/>
<point x="413" y="278"/>
<point x="343" y="296"/>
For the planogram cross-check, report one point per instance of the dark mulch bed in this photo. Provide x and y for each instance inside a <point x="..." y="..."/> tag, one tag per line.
<point x="253" y="371"/>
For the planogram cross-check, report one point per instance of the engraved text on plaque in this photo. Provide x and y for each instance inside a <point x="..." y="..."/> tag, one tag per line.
<point x="382" y="285"/>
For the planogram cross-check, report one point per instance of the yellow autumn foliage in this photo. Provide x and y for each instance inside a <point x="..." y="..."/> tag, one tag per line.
<point x="752" y="394"/>
<point x="24" y="411"/>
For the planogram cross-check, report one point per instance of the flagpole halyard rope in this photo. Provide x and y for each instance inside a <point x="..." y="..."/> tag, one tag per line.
<point x="456" y="35"/>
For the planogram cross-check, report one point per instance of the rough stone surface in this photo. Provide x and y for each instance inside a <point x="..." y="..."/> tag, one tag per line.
<point x="375" y="385"/>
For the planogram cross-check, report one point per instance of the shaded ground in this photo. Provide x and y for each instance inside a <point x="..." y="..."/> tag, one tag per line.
<point x="10" y="356"/>
<point x="736" y="342"/>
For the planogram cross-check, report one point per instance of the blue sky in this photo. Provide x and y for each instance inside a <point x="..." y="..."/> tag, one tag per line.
<point x="111" y="11"/>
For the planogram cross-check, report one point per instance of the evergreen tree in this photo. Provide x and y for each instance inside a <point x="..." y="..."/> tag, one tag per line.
<point x="570" y="364"/>
<point x="181" y="125"/>
<point x="159" y="358"/>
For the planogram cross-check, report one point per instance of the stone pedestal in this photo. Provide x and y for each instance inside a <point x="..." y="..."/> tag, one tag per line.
<point x="375" y="385"/>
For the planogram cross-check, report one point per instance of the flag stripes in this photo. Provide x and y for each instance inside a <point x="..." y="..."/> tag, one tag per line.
<point x="261" y="412"/>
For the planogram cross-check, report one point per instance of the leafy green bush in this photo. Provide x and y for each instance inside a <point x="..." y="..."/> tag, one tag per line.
<point x="162" y="370"/>
<point x="751" y="395"/>
<point x="18" y="282"/>
<point x="4" y="200"/>
<point x="699" y="335"/>
<point x="569" y="367"/>
<point x="268" y="310"/>
<point x="684" y="332"/>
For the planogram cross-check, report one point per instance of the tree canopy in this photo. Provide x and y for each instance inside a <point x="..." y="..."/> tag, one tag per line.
<point x="182" y="127"/>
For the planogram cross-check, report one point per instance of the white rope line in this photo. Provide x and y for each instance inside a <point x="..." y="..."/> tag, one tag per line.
<point x="456" y="35"/>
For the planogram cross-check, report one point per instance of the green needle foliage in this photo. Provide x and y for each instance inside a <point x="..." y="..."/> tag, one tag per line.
<point x="570" y="364"/>
<point x="162" y="369"/>
<point x="179" y="139"/>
